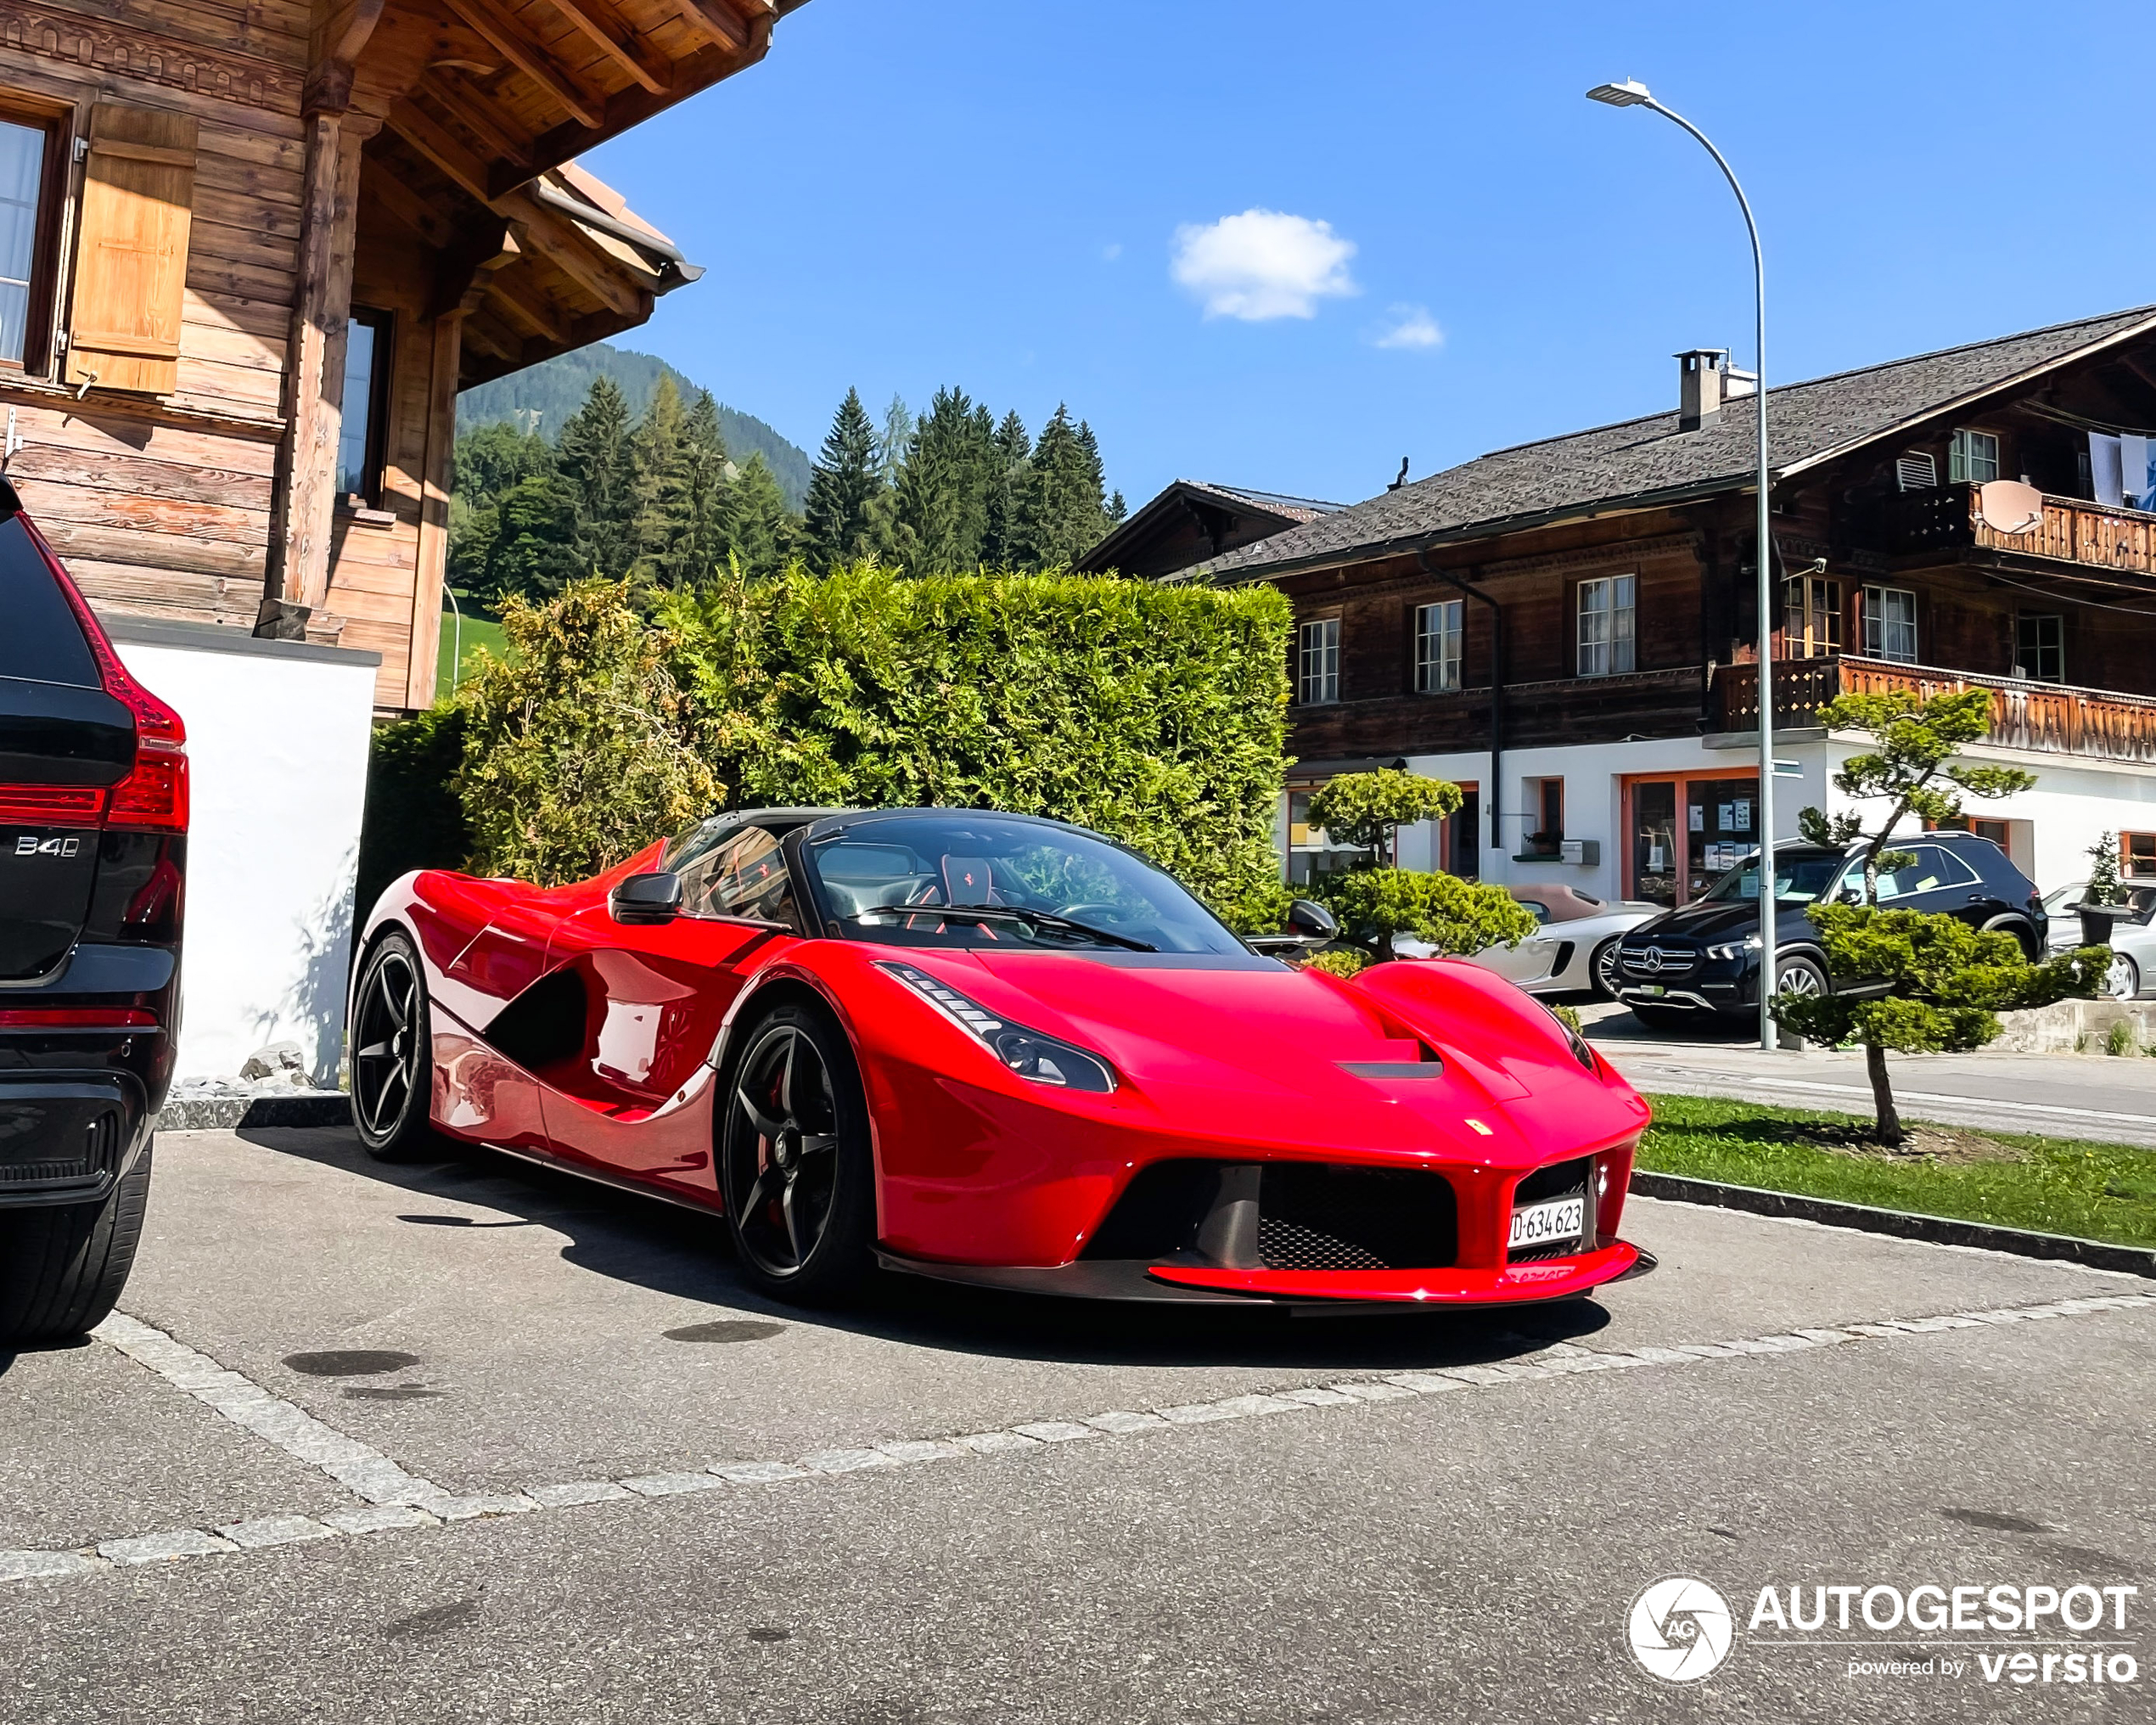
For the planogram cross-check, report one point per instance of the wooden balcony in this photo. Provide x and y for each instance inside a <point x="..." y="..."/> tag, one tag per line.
<point x="2043" y="718"/>
<point x="1950" y="518"/>
<point x="1536" y="715"/>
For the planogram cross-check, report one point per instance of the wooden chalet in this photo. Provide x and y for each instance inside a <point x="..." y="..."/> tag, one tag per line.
<point x="253" y="248"/>
<point x="1566" y="628"/>
<point x="1190" y="521"/>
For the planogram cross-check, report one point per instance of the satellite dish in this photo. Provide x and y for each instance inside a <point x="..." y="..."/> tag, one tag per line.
<point x="2009" y="506"/>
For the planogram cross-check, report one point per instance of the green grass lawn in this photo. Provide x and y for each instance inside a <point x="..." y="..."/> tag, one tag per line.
<point x="2098" y="1191"/>
<point x="479" y="631"/>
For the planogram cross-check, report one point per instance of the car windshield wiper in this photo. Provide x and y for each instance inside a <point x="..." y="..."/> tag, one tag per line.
<point x="1002" y="914"/>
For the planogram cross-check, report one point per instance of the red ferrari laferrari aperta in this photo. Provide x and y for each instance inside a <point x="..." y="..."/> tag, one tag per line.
<point x="998" y="1050"/>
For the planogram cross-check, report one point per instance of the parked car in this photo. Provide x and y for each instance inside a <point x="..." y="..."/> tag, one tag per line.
<point x="998" y="1050"/>
<point x="94" y="813"/>
<point x="2133" y="936"/>
<point x="1704" y="957"/>
<point x="1574" y="948"/>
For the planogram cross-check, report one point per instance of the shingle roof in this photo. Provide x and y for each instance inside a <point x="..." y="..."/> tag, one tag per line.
<point x="1272" y="503"/>
<point x="1641" y="459"/>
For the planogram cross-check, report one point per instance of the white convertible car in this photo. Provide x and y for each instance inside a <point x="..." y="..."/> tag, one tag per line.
<point x="1571" y="952"/>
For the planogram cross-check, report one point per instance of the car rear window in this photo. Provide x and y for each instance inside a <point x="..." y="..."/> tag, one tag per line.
<point x="42" y="640"/>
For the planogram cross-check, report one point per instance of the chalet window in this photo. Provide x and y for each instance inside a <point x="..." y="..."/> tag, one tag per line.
<point x="1973" y="456"/>
<point x="2040" y="647"/>
<point x="31" y="178"/>
<point x="1606" y="634"/>
<point x="1812" y="624"/>
<point x="1437" y="646"/>
<point x="367" y="377"/>
<point x="1317" y="662"/>
<point x="1890" y="624"/>
<point x="131" y="249"/>
<point x="2137" y="856"/>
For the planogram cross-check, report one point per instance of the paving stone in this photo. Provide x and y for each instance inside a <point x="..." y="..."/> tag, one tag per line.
<point x="1416" y="1383"/>
<point x="1198" y="1414"/>
<point x="1121" y="1423"/>
<point x="846" y="1461"/>
<point x="275" y="1530"/>
<point x="931" y="1449"/>
<point x="1056" y="1431"/>
<point x="378" y="1518"/>
<point x="1258" y="1404"/>
<point x="1317" y="1395"/>
<point x="758" y="1473"/>
<point x="997" y="1442"/>
<point x="670" y="1485"/>
<point x="162" y="1548"/>
<point x="44" y="1565"/>
<point x="569" y="1493"/>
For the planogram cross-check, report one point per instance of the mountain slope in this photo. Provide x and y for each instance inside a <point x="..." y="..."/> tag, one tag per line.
<point x="542" y="396"/>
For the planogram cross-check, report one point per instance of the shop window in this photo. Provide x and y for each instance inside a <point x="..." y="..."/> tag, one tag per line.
<point x="1543" y="808"/>
<point x="1973" y="456"/>
<point x="1812" y="619"/>
<point x="1890" y="624"/>
<point x="1311" y="851"/>
<point x="1437" y="646"/>
<point x="2137" y="856"/>
<point x="2040" y="647"/>
<point x="1686" y="832"/>
<point x="1317" y="662"/>
<point x="1606" y="625"/>
<point x="359" y="455"/>
<point x="31" y="178"/>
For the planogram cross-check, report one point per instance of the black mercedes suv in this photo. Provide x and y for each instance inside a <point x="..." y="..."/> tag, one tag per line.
<point x="1705" y="957"/>
<point x="93" y="812"/>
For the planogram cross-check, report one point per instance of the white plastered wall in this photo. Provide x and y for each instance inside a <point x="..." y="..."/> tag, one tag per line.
<point x="277" y="754"/>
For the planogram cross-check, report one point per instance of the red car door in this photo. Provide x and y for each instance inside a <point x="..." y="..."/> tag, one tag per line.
<point x="633" y="1095"/>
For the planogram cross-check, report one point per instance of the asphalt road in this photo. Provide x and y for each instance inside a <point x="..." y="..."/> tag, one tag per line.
<point x="1077" y="1513"/>
<point x="2112" y="1098"/>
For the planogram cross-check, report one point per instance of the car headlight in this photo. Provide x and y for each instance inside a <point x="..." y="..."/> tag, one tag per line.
<point x="1735" y="949"/>
<point x="1044" y="1059"/>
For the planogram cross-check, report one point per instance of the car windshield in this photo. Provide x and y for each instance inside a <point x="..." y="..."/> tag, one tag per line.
<point x="1799" y="878"/>
<point x="886" y="878"/>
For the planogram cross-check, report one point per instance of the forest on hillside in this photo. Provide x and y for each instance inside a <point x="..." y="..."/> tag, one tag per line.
<point x="660" y="500"/>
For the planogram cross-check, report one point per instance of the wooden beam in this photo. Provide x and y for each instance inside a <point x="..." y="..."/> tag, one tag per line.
<point x="576" y="254"/>
<point x="441" y="147"/>
<point x="408" y="207"/>
<point x="520" y="302"/>
<point x="343" y="31"/>
<point x="617" y="39"/>
<point x="489" y="337"/>
<point x="472" y="108"/>
<point x="632" y="107"/>
<point x="463" y="274"/>
<point x="432" y="558"/>
<point x="500" y="30"/>
<point x="717" y="21"/>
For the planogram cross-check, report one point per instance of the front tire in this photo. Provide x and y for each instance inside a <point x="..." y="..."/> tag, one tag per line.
<point x="2123" y="980"/>
<point x="1798" y="975"/>
<point x="392" y="1059"/>
<point x="796" y="1169"/>
<point x="62" y="1267"/>
<point x="1602" y="968"/>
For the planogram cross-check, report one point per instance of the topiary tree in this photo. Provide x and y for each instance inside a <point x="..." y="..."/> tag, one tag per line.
<point x="2104" y="887"/>
<point x="1377" y="902"/>
<point x="1914" y="981"/>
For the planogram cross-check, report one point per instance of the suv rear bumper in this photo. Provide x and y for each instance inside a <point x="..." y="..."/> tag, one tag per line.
<point x="68" y="1137"/>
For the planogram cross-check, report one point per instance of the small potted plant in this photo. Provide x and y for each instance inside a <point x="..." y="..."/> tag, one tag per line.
<point x="2101" y="904"/>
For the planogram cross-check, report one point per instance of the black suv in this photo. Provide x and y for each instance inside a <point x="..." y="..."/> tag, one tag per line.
<point x="1705" y="957"/>
<point x="93" y="810"/>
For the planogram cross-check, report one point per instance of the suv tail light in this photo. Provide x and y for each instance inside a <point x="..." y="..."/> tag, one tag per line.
<point x="154" y="795"/>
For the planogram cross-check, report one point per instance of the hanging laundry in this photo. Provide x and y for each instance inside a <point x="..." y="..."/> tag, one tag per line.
<point x="2107" y="465"/>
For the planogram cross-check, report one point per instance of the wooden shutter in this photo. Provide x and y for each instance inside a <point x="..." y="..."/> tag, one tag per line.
<point x="130" y="258"/>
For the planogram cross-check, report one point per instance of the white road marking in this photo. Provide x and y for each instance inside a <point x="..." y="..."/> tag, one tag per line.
<point x="1648" y="1071"/>
<point x="177" y="1362"/>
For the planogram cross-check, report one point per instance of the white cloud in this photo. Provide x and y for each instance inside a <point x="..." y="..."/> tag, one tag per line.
<point x="1411" y="326"/>
<point x="1262" y="265"/>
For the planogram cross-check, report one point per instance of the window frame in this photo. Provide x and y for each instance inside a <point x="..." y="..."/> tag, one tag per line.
<point x="1961" y="456"/>
<point x="1873" y="623"/>
<point x="1811" y="616"/>
<point x="49" y="229"/>
<point x="2126" y="858"/>
<point x="1327" y="649"/>
<point x="383" y="323"/>
<point x="2032" y="664"/>
<point x="1620" y="640"/>
<point x="1541" y="796"/>
<point x="1437" y="671"/>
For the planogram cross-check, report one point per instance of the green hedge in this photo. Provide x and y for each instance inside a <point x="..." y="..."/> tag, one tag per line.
<point x="1155" y="714"/>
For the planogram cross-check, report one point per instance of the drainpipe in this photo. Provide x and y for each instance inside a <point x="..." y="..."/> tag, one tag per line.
<point x="1497" y="690"/>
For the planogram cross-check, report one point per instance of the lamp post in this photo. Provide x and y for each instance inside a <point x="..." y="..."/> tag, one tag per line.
<point x="1631" y="94"/>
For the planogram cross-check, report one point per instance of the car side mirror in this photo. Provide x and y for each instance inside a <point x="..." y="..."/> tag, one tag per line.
<point x="1312" y="921"/>
<point x="645" y="898"/>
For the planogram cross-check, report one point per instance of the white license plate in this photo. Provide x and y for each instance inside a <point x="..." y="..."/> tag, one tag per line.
<point x="1539" y="1224"/>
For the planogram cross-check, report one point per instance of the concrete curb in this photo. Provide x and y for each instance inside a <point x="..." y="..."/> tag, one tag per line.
<point x="1938" y="1230"/>
<point x="325" y="1108"/>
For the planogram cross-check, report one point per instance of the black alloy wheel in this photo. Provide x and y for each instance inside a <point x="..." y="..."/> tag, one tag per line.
<point x="392" y="1064"/>
<point x="796" y="1172"/>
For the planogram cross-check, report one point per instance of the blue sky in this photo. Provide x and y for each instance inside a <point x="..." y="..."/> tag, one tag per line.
<point x="997" y="194"/>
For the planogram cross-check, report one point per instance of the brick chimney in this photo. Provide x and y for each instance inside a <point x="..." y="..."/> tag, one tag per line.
<point x="1703" y="376"/>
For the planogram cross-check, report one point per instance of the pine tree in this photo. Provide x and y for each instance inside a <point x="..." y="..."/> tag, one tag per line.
<point x="843" y="517"/>
<point x="697" y="500"/>
<point x="597" y="470"/>
<point x="1061" y="510"/>
<point x="656" y="451"/>
<point x="1013" y="449"/>
<point x="940" y="507"/>
<point x="894" y="440"/>
<point x="758" y="530"/>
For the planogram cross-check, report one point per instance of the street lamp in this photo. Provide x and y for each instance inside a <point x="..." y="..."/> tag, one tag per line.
<point x="1633" y="94"/>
